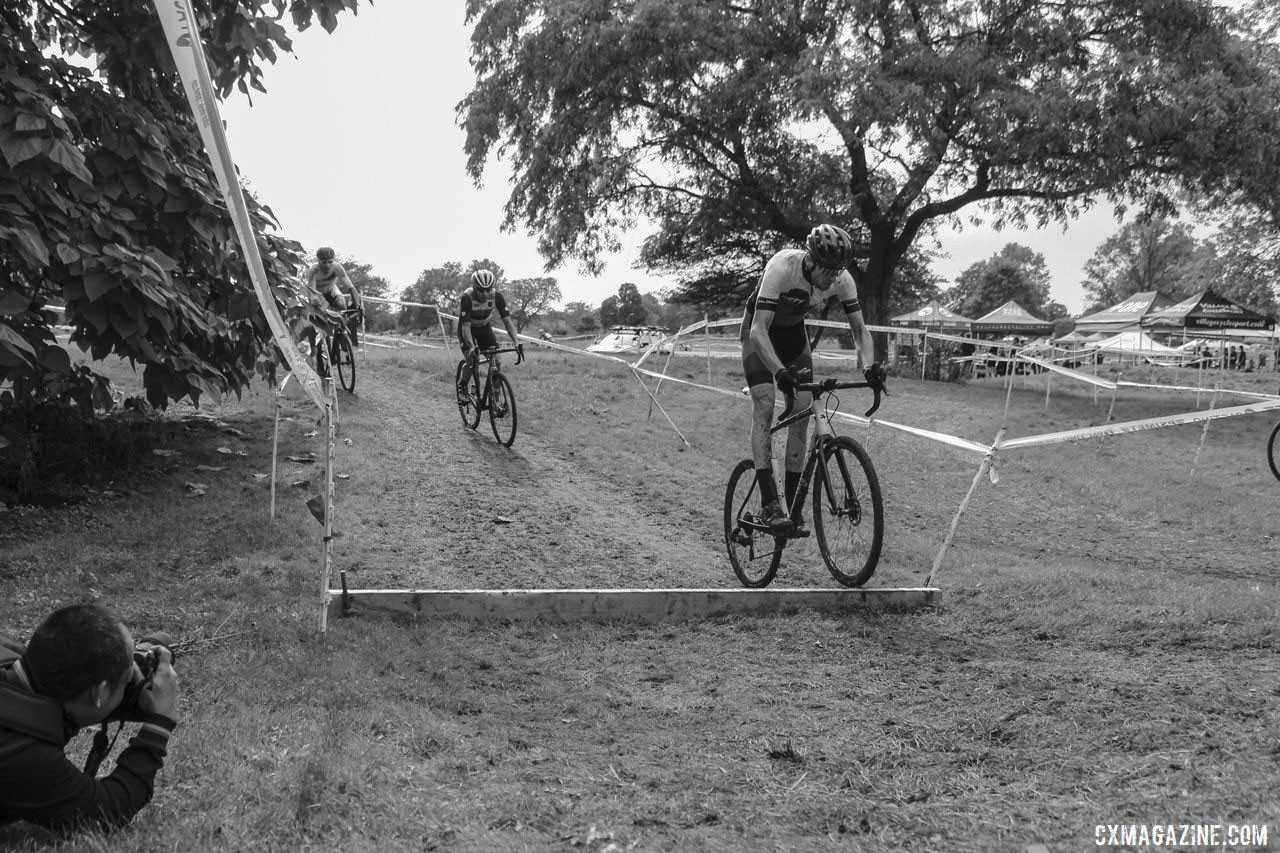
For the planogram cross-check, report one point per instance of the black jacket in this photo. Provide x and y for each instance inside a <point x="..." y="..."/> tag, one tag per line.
<point x="38" y="783"/>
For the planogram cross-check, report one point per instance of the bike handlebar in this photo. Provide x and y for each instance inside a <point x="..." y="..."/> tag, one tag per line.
<point x="490" y="353"/>
<point x="826" y="386"/>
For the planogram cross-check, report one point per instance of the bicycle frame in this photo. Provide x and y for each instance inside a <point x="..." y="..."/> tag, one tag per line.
<point x="492" y="365"/>
<point x="821" y="434"/>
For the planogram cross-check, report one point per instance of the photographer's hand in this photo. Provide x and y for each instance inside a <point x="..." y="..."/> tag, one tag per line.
<point x="161" y="695"/>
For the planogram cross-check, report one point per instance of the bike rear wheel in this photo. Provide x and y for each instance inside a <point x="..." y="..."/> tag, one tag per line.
<point x="502" y="409"/>
<point x="754" y="551"/>
<point x="345" y="360"/>
<point x="848" y="514"/>
<point x="470" y="408"/>
<point x="1273" y="451"/>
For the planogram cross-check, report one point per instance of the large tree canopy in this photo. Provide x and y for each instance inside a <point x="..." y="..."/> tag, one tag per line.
<point x="1015" y="272"/>
<point x="737" y="126"/>
<point x="108" y="204"/>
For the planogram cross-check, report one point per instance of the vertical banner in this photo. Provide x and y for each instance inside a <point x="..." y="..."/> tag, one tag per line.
<point x="184" y="42"/>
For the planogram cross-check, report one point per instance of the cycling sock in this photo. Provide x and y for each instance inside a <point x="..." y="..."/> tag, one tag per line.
<point x="792" y="485"/>
<point x="768" y="487"/>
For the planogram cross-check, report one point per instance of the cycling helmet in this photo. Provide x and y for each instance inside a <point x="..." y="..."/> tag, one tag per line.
<point x="830" y="247"/>
<point x="483" y="279"/>
<point x="324" y="253"/>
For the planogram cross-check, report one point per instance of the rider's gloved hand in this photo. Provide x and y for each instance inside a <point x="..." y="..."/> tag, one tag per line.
<point x="875" y="375"/>
<point x="473" y="356"/>
<point x="519" y="353"/>
<point x="786" y="380"/>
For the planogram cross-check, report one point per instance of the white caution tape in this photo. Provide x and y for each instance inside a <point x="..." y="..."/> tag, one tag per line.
<point x="1139" y="426"/>
<point x="1066" y="371"/>
<point x="188" y="53"/>
<point x="400" y="302"/>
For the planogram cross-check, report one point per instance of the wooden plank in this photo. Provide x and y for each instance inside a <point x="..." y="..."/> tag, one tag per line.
<point x="662" y="605"/>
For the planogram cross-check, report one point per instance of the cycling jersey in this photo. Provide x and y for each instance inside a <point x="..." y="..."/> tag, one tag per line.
<point x="328" y="281"/>
<point x="476" y="310"/>
<point x="784" y="290"/>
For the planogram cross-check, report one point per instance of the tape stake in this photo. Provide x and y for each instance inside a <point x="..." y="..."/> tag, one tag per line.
<point x="987" y="462"/>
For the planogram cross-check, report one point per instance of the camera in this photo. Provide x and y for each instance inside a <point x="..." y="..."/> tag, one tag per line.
<point x="146" y="659"/>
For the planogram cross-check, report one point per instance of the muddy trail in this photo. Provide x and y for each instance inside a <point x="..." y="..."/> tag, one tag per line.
<point x="443" y="507"/>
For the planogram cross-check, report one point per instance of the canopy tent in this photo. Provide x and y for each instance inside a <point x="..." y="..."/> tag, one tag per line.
<point x="1135" y="342"/>
<point x="1126" y="314"/>
<point x="932" y="316"/>
<point x="1011" y="318"/>
<point x="1206" y="310"/>
<point x="1071" y="339"/>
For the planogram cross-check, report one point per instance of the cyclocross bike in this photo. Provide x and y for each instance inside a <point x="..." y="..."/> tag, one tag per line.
<point x="1273" y="451"/>
<point x="337" y="349"/>
<point x="496" y="397"/>
<point x="848" y="514"/>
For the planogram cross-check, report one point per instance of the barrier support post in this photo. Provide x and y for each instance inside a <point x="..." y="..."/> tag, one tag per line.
<point x="1204" y="433"/>
<point x="1114" y="392"/>
<point x="448" y="355"/>
<point x="987" y="462"/>
<point x="636" y="374"/>
<point x="706" y="319"/>
<point x="330" y="424"/>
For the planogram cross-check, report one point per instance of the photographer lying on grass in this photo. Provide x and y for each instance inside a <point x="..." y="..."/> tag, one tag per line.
<point x="81" y="667"/>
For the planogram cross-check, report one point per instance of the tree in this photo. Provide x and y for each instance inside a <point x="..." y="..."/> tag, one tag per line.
<point x="529" y="298"/>
<point x="736" y="127"/>
<point x="1248" y="252"/>
<point x="109" y="206"/>
<point x="631" y="311"/>
<point x="440" y="286"/>
<point x="1149" y="254"/>
<point x="609" y="312"/>
<point x="581" y="317"/>
<point x="1016" y="273"/>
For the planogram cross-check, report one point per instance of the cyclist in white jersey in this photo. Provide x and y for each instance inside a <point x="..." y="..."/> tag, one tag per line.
<point x="329" y="277"/>
<point x="775" y="350"/>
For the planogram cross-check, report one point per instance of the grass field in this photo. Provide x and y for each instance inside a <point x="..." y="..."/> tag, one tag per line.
<point x="1105" y="653"/>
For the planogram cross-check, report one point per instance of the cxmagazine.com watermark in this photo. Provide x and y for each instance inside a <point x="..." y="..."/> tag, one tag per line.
<point x="1184" y="836"/>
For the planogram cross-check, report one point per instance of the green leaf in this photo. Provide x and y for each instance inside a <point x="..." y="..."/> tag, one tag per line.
<point x="70" y="158"/>
<point x="28" y="122"/>
<point x="14" y="340"/>
<point x="28" y="241"/>
<point x="14" y="302"/>
<point x="55" y="358"/>
<point x="17" y="149"/>
<point x="96" y="284"/>
<point x="67" y="254"/>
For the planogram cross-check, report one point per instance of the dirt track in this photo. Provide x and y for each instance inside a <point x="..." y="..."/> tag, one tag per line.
<point x="454" y="509"/>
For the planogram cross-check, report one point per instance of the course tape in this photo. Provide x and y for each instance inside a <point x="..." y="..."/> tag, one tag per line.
<point x="955" y="441"/>
<point x="1138" y="426"/>
<point x="188" y="53"/>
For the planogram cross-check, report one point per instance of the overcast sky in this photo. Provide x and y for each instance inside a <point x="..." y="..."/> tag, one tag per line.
<point x="356" y="145"/>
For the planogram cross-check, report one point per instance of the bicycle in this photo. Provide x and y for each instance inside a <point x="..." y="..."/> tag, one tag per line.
<point x="848" y="513"/>
<point x="497" y="397"/>
<point x="1273" y="451"/>
<point x="338" y="350"/>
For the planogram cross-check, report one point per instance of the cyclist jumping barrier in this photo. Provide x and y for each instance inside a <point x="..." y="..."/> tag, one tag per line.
<point x="646" y="605"/>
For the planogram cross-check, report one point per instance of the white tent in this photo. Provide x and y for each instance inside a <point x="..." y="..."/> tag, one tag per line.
<point x="1135" y="343"/>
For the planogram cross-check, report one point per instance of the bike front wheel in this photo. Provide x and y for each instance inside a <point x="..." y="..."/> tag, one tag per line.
<point x="469" y="400"/>
<point x="345" y="360"/>
<point x="848" y="514"/>
<point x="754" y="551"/>
<point x="1273" y="451"/>
<point x="502" y="409"/>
